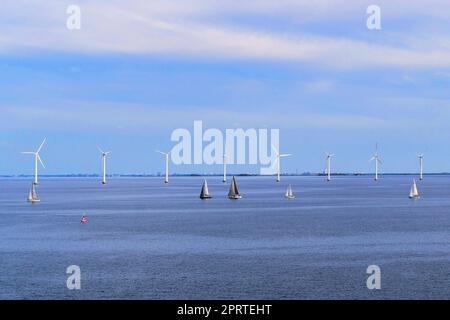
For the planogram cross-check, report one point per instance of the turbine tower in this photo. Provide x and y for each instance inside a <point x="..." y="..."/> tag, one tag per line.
<point x="167" y="165"/>
<point x="36" y="159"/>
<point x="224" y="166"/>
<point x="329" y="156"/>
<point x="377" y="160"/>
<point x="279" y="156"/>
<point x="104" y="154"/>
<point x="420" y="156"/>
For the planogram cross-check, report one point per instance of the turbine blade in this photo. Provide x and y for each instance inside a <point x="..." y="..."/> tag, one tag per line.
<point x="101" y="151"/>
<point x="285" y="155"/>
<point x="275" y="150"/>
<point x="40" y="160"/>
<point x="27" y="152"/>
<point x="161" y="152"/>
<point x="42" y="144"/>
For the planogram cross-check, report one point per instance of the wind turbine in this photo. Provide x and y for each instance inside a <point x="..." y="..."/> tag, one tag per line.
<point x="329" y="156"/>
<point x="377" y="160"/>
<point x="167" y="165"/>
<point x="104" y="154"/>
<point x="420" y="156"/>
<point x="279" y="156"/>
<point x="224" y="166"/>
<point x="36" y="159"/>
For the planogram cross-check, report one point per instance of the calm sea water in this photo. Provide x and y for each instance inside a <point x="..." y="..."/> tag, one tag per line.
<point x="145" y="240"/>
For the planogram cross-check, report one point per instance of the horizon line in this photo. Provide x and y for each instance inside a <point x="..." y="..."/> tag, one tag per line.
<point x="96" y="175"/>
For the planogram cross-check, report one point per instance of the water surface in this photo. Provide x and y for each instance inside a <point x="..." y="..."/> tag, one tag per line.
<point x="147" y="240"/>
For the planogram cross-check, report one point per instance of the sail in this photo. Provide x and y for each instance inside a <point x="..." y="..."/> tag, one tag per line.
<point x="32" y="195"/>
<point x="289" y="193"/>
<point x="234" y="193"/>
<point x="205" y="192"/>
<point x="33" y="192"/>
<point x="414" y="192"/>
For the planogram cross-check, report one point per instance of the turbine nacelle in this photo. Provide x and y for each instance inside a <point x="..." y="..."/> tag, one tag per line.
<point x="104" y="153"/>
<point x="376" y="158"/>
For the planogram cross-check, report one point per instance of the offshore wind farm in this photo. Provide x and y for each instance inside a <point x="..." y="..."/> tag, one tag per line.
<point x="317" y="225"/>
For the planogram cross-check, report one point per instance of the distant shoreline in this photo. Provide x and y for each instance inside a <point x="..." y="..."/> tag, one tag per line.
<point x="220" y="175"/>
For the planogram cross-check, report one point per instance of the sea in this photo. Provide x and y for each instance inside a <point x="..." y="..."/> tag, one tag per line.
<point x="147" y="240"/>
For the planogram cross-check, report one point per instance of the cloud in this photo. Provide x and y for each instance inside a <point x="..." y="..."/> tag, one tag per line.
<point x="319" y="86"/>
<point x="79" y="117"/>
<point x="189" y="29"/>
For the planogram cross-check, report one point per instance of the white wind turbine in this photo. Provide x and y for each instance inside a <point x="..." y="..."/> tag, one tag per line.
<point x="167" y="164"/>
<point x="420" y="156"/>
<point x="329" y="156"/>
<point x="279" y="156"/>
<point x="377" y="160"/>
<point x="104" y="154"/>
<point x="36" y="159"/>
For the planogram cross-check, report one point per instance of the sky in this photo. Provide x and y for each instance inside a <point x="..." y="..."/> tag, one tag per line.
<point x="137" y="70"/>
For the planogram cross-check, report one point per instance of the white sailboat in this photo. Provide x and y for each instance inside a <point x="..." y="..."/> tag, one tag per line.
<point x="414" y="193"/>
<point x="32" y="195"/>
<point x="234" y="193"/>
<point x="289" y="194"/>
<point x="204" y="194"/>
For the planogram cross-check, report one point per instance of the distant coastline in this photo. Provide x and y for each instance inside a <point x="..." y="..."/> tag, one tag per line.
<point x="305" y="174"/>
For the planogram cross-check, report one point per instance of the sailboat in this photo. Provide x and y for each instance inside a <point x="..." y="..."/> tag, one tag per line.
<point x="32" y="195"/>
<point x="414" y="194"/>
<point x="205" y="192"/>
<point x="289" y="194"/>
<point x="234" y="193"/>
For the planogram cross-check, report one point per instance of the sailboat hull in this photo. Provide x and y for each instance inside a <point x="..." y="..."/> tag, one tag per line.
<point x="235" y="197"/>
<point x="205" y="197"/>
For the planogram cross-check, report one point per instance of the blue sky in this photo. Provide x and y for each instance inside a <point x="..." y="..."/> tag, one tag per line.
<point x="138" y="69"/>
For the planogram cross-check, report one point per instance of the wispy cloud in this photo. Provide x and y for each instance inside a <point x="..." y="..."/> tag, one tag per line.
<point x="188" y="29"/>
<point x="129" y="117"/>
